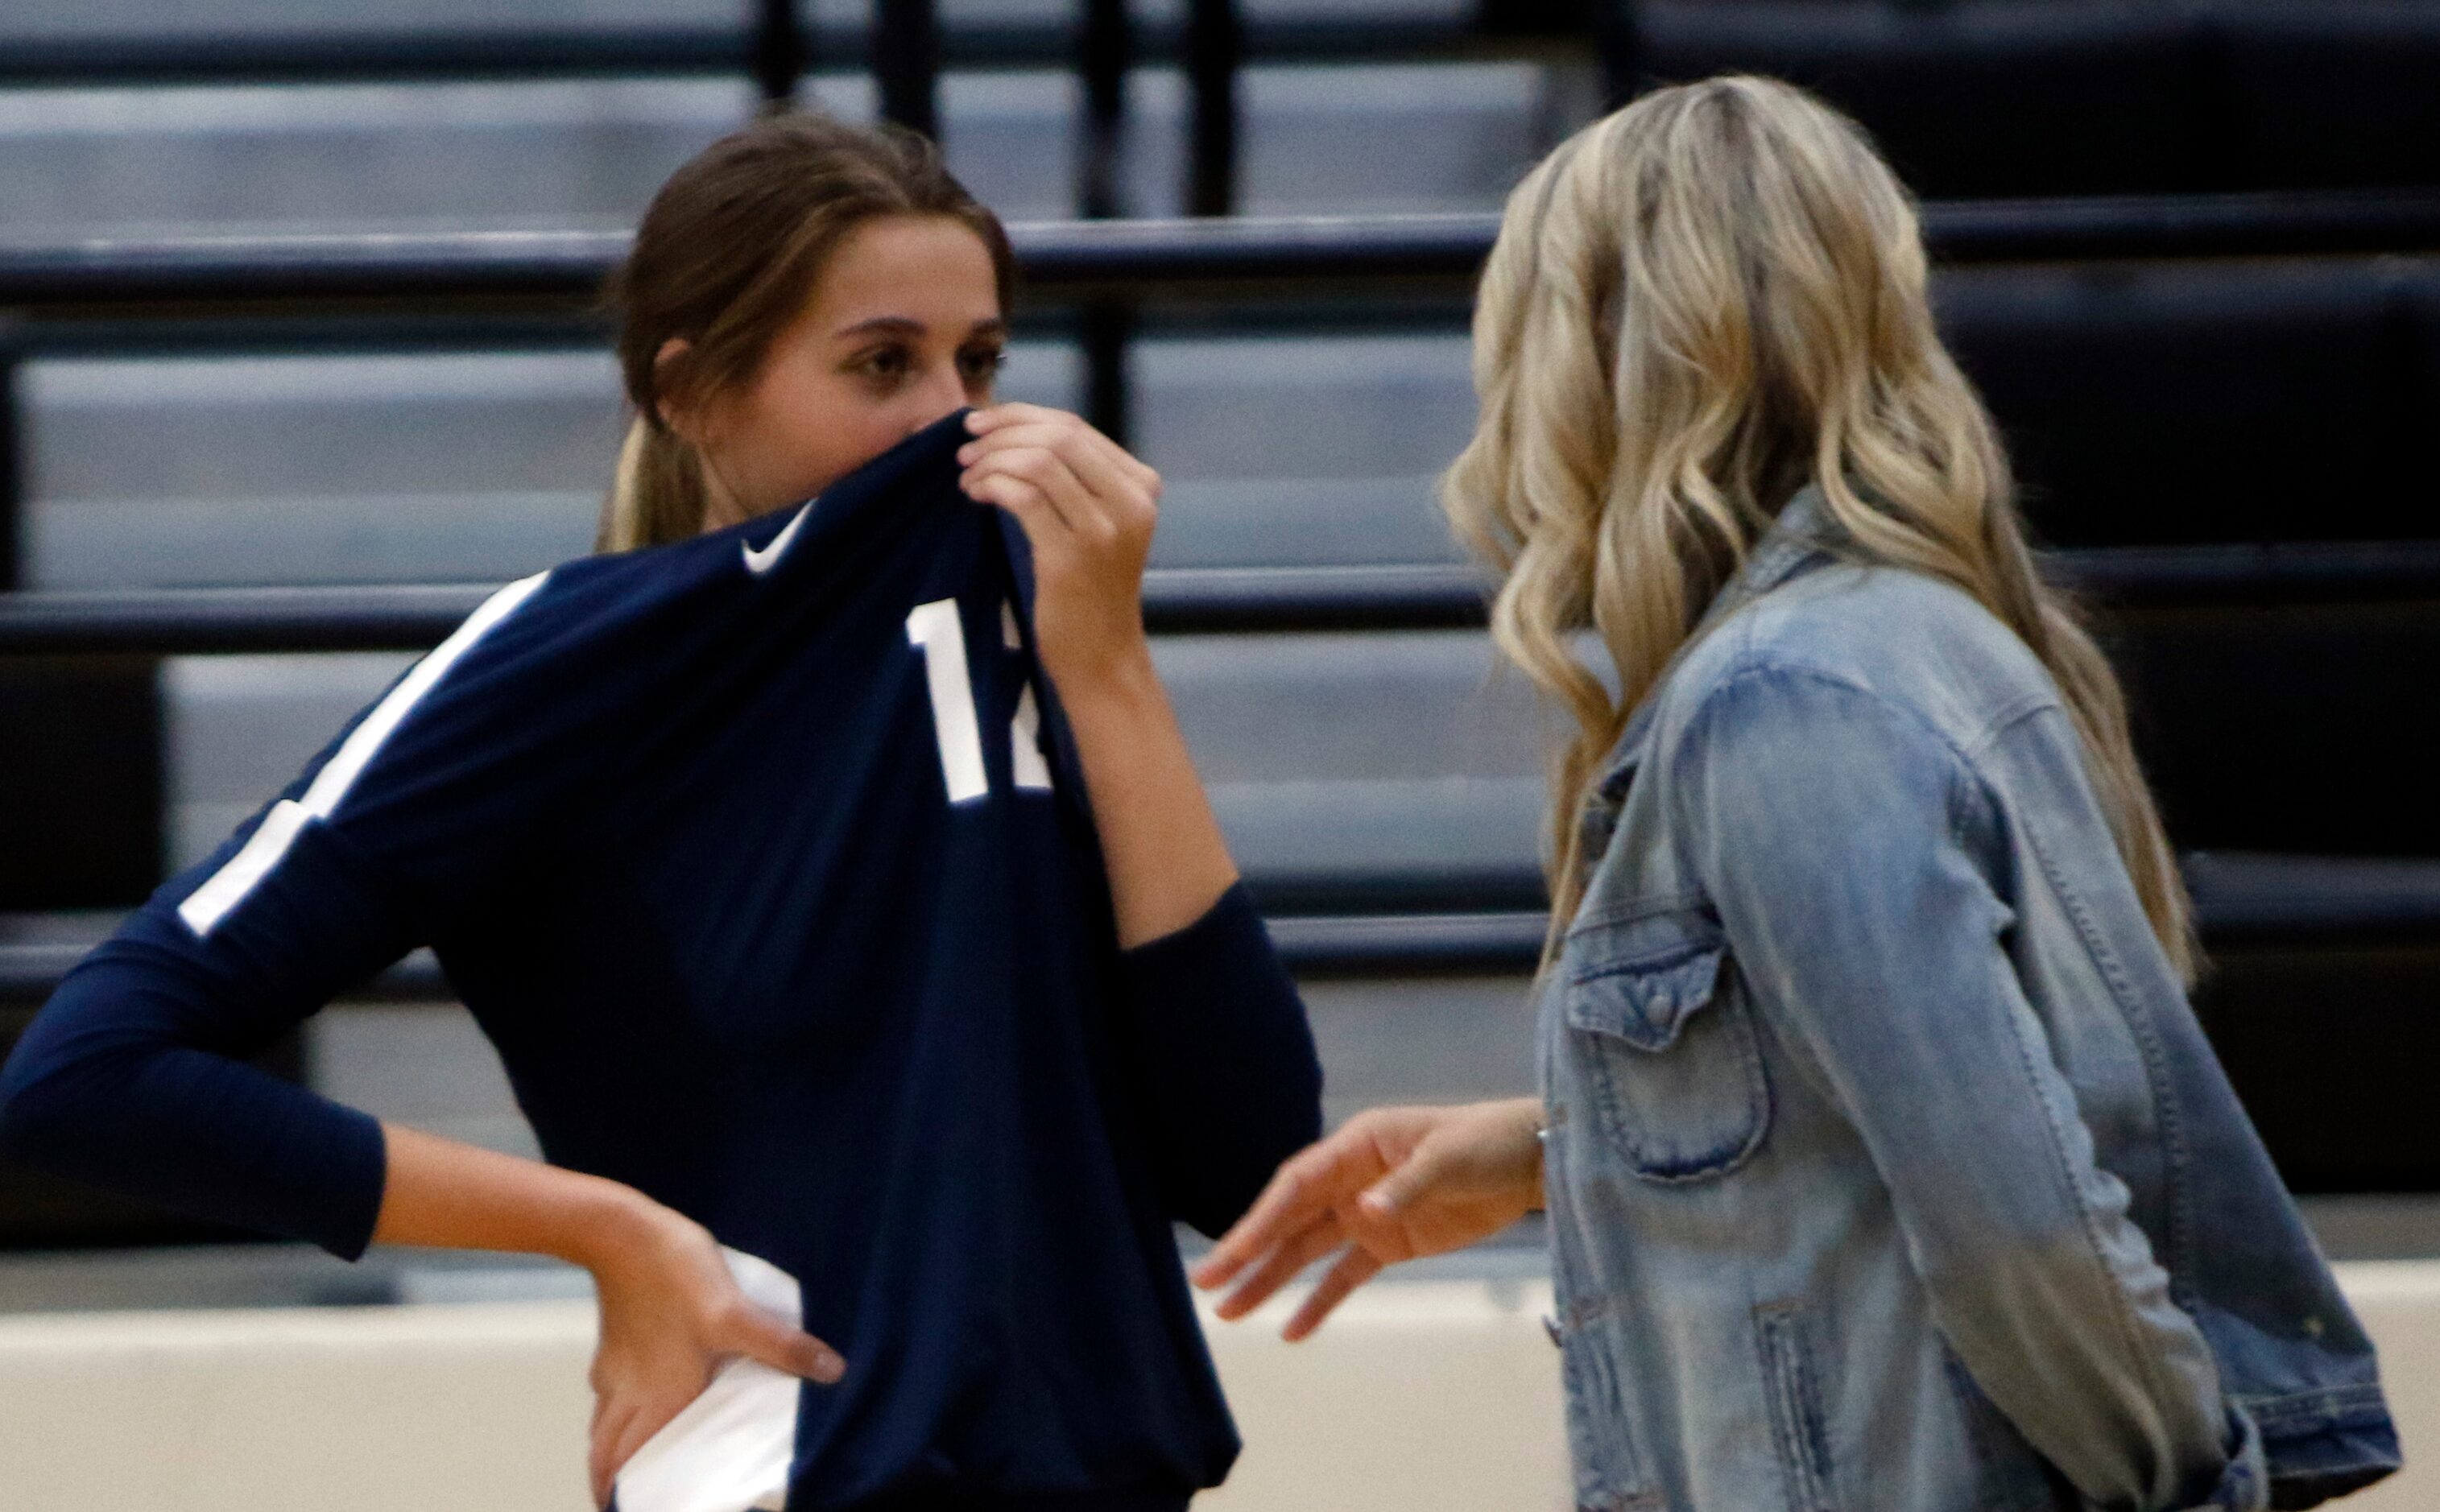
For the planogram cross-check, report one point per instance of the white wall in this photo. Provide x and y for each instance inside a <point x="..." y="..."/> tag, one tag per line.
<point x="1420" y="1397"/>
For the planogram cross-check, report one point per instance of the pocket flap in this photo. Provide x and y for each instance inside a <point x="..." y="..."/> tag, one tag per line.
<point x="1645" y="994"/>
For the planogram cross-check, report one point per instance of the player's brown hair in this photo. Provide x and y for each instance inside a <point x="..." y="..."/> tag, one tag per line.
<point x="727" y="256"/>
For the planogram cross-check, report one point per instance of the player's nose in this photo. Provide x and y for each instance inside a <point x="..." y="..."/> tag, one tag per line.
<point x="943" y="394"/>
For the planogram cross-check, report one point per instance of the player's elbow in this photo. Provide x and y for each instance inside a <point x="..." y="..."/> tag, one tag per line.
<point x="58" y="1100"/>
<point x="42" y="1118"/>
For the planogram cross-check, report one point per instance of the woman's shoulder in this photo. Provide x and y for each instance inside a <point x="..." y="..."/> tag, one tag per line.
<point x="1919" y="647"/>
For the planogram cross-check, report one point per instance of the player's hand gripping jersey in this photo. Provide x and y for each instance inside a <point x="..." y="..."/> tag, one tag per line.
<point x="763" y="860"/>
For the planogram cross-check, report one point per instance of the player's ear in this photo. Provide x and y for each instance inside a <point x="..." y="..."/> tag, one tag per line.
<point x="680" y="409"/>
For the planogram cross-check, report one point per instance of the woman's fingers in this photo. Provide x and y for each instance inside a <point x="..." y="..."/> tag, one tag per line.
<point x="999" y="417"/>
<point x="1309" y="1184"/>
<point x="1115" y="481"/>
<point x="1060" y="422"/>
<point x="1048" y="473"/>
<point x="1003" y="417"/>
<point x="610" y="1422"/>
<point x="1087" y="448"/>
<point x="1088" y="510"/>
<point x="1408" y="1180"/>
<point x="1045" y="523"/>
<point x="624" y="1419"/>
<point x="1353" y="1269"/>
<point x="1055" y="546"/>
<point x="759" y="1336"/>
<point x="1286" y="1204"/>
<point x="1093" y="501"/>
<point x="638" y="1429"/>
<point x="1280" y="1266"/>
<point x="622" y="1428"/>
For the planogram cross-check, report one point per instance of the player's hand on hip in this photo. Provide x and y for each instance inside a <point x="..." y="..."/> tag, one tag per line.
<point x="672" y="1314"/>
<point x="1087" y="507"/>
<point x="1390" y="1184"/>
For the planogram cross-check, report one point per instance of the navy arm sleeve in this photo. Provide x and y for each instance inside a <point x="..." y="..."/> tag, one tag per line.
<point x="133" y="1077"/>
<point x="1223" y="1058"/>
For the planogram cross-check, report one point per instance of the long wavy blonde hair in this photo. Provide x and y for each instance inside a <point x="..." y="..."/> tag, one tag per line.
<point x="1697" y="306"/>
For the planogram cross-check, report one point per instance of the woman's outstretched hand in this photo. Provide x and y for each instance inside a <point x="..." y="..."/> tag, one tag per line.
<point x="671" y="1315"/>
<point x="1087" y="507"/>
<point x="1391" y="1184"/>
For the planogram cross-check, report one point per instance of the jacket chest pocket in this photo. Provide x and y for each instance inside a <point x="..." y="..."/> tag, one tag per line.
<point x="1670" y="1058"/>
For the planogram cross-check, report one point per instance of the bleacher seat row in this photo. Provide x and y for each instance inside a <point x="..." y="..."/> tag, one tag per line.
<point x="1979" y="99"/>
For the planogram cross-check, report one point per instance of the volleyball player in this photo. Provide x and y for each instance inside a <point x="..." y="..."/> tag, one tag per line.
<point x="832" y="878"/>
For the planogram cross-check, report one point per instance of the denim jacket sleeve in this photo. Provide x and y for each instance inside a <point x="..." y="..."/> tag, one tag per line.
<point x="1859" y="868"/>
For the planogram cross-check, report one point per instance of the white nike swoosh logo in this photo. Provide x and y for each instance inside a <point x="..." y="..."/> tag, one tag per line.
<point x="758" y="562"/>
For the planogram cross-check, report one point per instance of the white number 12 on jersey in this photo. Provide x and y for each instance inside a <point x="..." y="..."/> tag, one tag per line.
<point x="935" y="629"/>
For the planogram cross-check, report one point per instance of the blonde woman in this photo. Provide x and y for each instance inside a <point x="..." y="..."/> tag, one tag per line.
<point x="1886" y="1165"/>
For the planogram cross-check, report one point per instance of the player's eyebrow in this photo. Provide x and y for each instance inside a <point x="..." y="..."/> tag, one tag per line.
<point x="909" y="326"/>
<point x="885" y="325"/>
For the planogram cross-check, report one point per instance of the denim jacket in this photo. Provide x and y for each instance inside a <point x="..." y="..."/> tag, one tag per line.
<point x="1888" y="1169"/>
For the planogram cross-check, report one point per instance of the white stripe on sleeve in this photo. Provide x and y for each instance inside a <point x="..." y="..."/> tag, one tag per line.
<point x="205" y="906"/>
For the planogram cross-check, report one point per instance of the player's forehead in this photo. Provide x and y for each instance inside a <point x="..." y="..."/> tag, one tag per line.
<point x="910" y="275"/>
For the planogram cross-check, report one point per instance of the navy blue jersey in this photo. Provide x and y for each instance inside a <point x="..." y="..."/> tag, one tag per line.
<point x="764" y="859"/>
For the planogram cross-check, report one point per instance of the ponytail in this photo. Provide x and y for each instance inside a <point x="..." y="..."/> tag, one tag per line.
<point x="656" y="494"/>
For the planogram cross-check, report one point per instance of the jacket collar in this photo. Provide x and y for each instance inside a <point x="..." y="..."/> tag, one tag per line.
<point x="1797" y="539"/>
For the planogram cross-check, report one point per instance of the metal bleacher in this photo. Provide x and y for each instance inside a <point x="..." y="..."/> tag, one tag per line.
<point x="297" y="335"/>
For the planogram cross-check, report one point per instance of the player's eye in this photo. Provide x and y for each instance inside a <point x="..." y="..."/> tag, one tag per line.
<point x="980" y="363"/>
<point x="886" y="365"/>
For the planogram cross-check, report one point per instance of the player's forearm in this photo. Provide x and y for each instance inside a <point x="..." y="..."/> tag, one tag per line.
<point x="443" y="1193"/>
<point x="1160" y="845"/>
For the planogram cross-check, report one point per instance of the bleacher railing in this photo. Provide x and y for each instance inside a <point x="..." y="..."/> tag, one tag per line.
<point x="904" y="48"/>
<point x="1141" y="260"/>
